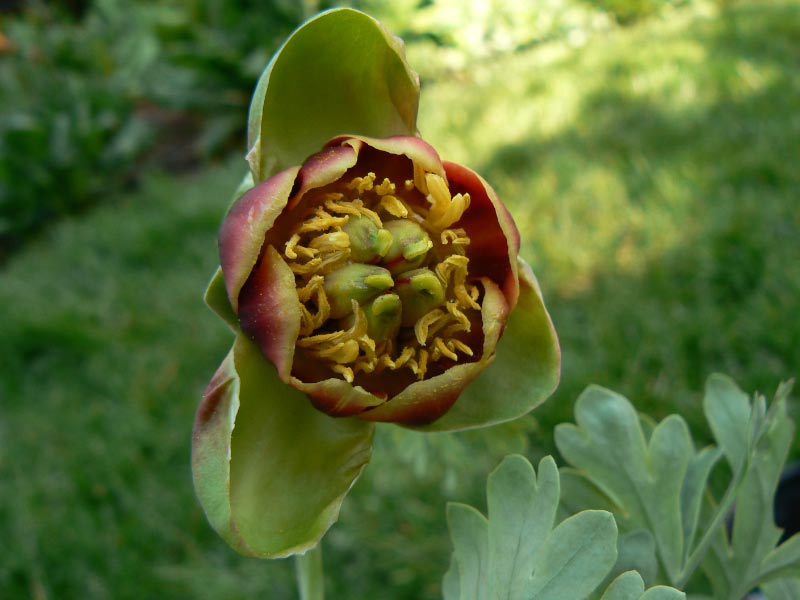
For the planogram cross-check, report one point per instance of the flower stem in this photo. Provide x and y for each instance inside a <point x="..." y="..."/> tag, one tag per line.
<point x="310" y="580"/>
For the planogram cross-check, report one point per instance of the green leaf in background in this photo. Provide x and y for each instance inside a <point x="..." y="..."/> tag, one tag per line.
<point x="655" y="484"/>
<point x="782" y="589"/>
<point x="339" y="73"/>
<point x="636" y="551"/>
<point x="630" y="586"/>
<point x="643" y="477"/>
<point x="522" y="511"/>
<point x="469" y="531"/>
<point x="576" y="557"/>
<point x="727" y="409"/>
<point x="269" y="469"/>
<point x="516" y="553"/>
<point x="748" y="557"/>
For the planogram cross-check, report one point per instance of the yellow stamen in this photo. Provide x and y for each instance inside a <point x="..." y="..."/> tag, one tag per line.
<point x="386" y="187"/>
<point x="422" y="326"/>
<point x="422" y="363"/>
<point x="345" y="372"/>
<point x="305" y="268"/>
<point x="420" y="179"/>
<point x="319" y="246"/>
<point x="330" y="242"/>
<point x="455" y="236"/>
<point x="440" y="345"/>
<point x="362" y="184"/>
<point x="445" y="209"/>
<point x="321" y="221"/>
<point x="355" y="208"/>
<point x="455" y="344"/>
<point x="461" y="319"/>
<point x="394" y="206"/>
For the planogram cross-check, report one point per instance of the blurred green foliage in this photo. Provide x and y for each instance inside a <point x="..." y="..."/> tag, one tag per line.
<point x="651" y="169"/>
<point x="88" y="100"/>
<point x="93" y="92"/>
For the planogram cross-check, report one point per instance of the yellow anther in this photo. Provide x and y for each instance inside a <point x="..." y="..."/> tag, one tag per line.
<point x="454" y="266"/>
<point x="422" y="363"/>
<point x="394" y="206"/>
<point x="332" y="261"/>
<point x="345" y="372"/>
<point x="354" y="208"/>
<point x="440" y="345"/>
<point x="306" y="320"/>
<point x="304" y="293"/>
<point x="330" y="242"/>
<point x="423" y="325"/>
<point x="365" y="366"/>
<point x="362" y="184"/>
<point x="386" y="187"/>
<point x="406" y="355"/>
<point x="293" y="241"/>
<point x="445" y="209"/>
<point x="455" y="236"/>
<point x="321" y="222"/>
<point x="462" y="320"/>
<point x="420" y="181"/>
<point x="464" y="297"/>
<point x="323" y="309"/>
<point x="454" y="345"/>
<point x="408" y="184"/>
<point x="305" y="268"/>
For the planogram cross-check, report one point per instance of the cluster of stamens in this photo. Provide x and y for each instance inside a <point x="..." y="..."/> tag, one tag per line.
<point x="381" y="278"/>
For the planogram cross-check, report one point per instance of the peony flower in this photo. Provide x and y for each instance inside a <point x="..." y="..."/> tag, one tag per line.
<point x="370" y="281"/>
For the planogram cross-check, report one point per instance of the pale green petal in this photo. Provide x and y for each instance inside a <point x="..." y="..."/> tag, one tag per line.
<point x="270" y="470"/>
<point x="339" y="73"/>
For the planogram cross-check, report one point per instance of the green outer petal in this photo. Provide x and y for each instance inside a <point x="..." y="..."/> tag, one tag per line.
<point x="271" y="471"/>
<point x="216" y="298"/>
<point x="524" y="373"/>
<point x="339" y="72"/>
<point x="211" y="435"/>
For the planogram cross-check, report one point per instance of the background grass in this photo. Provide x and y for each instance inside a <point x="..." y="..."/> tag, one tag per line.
<point x="653" y="172"/>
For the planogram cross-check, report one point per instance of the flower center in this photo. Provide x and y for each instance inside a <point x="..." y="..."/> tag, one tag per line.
<point x="382" y="277"/>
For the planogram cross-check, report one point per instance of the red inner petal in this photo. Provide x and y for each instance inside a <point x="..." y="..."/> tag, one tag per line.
<point x="490" y="251"/>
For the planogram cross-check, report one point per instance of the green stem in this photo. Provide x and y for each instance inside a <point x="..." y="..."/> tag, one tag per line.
<point x="310" y="579"/>
<point x="699" y="552"/>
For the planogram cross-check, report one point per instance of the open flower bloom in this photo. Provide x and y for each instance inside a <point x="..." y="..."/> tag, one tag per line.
<point x="376" y="279"/>
<point x="365" y="280"/>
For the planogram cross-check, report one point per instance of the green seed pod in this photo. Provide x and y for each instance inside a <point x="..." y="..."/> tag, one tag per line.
<point x="409" y="248"/>
<point x="383" y="316"/>
<point x="420" y="291"/>
<point x="354" y="282"/>
<point x="368" y="242"/>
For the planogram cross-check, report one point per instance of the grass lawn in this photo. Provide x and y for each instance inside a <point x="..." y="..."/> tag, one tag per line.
<point x="653" y="173"/>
